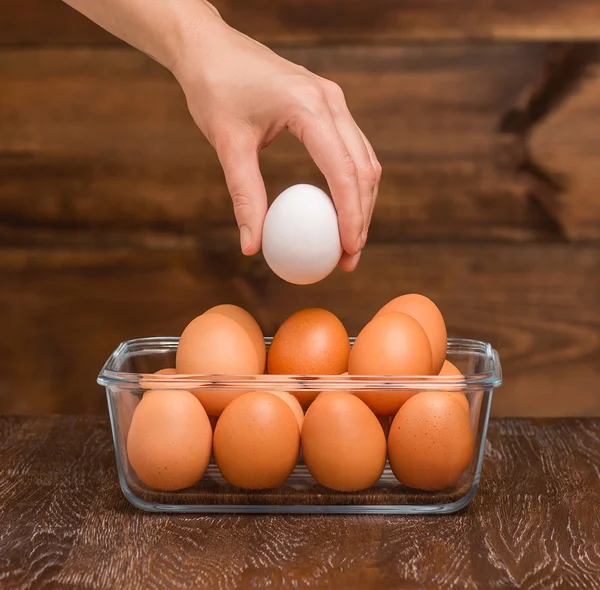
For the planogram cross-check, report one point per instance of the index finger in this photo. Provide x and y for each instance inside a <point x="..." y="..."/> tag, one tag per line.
<point x="326" y="147"/>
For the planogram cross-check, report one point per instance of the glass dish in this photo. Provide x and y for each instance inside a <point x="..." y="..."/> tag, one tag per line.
<point x="130" y="363"/>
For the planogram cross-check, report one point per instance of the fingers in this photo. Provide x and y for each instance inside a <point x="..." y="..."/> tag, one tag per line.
<point x="316" y="130"/>
<point x="368" y="167"/>
<point x="366" y="176"/>
<point x="377" y="167"/>
<point x="349" y="262"/>
<point x="247" y="189"/>
<point x="324" y="124"/>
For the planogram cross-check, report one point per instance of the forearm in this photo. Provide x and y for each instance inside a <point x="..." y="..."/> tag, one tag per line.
<point x="242" y="95"/>
<point x="159" y="28"/>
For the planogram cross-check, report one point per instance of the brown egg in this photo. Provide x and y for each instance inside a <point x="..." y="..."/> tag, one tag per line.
<point x="460" y="398"/>
<point x="244" y="319"/>
<point x="126" y="402"/>
<point x="215" y="344"/>
<point x="429" y="316"/>
<point x="169" y="441"/>
<point x="257" y="441"/>
<point x="391" y="344"/>
<point x="385" y="422"/>
<point x="294" y="405"/>
<point x="216" y="400"/>
<point x="450" y="370"/>
<point x="384" y="402"/>
<point x="305" y="397"/>
<point x="343" y="443"/>
<point x="310" y="342"/>
<point x="430" y="443"/>
<point x="151" y="383"/>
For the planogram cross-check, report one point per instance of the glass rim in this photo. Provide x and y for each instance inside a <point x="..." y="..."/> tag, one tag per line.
<point x="459" y="346"/>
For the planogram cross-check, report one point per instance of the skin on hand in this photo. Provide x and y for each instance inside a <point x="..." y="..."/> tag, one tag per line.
<point x="242" y="95"/>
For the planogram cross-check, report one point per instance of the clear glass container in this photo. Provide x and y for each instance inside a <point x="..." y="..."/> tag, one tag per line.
<point x="132" y="361"/>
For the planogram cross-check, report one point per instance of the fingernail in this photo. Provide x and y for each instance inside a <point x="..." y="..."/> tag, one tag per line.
<point x="365" y="235"/>
<point x="360" y="244"/>
<point x="355" y="259"/>
<point x="245" y="237"/>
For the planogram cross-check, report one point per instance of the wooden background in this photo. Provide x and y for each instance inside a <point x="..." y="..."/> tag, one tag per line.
<point x="115" y="221"/>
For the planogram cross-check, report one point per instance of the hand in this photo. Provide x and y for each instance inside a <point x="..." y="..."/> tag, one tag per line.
<point x="242" y="95"/>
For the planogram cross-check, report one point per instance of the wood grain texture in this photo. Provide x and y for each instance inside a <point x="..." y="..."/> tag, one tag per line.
<point x="293" y="21"/>
<point x="100" y="154"/>
<point x="561" y="180"/>
<point x="66" y="310"/>
<point x="115" y="221"/>
<point x="564" y="146"/>
<point x="532" y="524"/>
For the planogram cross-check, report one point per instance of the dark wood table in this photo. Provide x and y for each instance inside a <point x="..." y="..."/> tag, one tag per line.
<point x="535" y="523"/>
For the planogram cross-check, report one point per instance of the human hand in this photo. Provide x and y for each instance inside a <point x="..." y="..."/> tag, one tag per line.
<point x="242" y="95"/>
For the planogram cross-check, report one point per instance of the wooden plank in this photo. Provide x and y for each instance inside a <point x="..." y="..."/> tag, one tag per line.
<point x="530" y="525"/>
<point x="561" y="178"/>
<point x="99" y="153"/>
<point x="66" y="309"/>
<point x="565" y="146"/>
<point x="294" y="21"/>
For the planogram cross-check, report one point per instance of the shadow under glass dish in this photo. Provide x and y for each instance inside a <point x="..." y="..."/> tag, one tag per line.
<point x="132" y="361"/>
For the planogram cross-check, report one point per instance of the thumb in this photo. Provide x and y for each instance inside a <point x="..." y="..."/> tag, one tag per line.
<point x="247" y="189"/>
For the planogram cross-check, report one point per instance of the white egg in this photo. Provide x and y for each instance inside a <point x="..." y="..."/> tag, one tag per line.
<point x="301" y="239"/>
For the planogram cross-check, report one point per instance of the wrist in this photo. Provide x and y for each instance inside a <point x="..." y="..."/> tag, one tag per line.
<point x="195" y="28"/>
